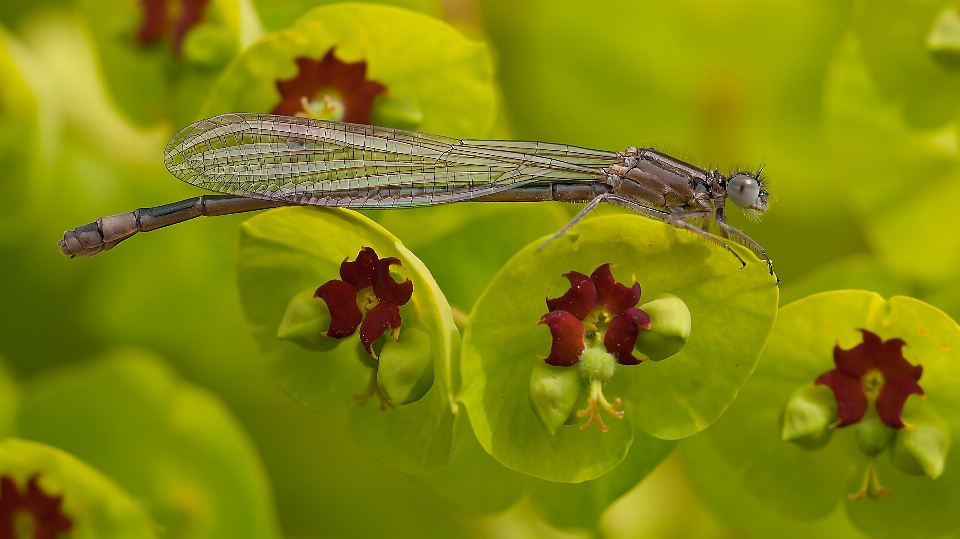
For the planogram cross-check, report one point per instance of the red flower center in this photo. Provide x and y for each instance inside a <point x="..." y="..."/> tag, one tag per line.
<point x="365" y="296"/>
<point x="30" y="514"/>
<point x="329" y="89"/>
<point x="872" y="373"/>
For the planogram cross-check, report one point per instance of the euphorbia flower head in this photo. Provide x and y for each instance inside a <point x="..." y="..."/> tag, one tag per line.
<point x="594" y="324"/>
<point x="873" y="372"/>
<point x="332" y="83"/>
<point x="42" y="510"/>
<point x="365" y="296"/>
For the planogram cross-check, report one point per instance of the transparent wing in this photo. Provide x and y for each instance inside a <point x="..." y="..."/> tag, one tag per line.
<point x="306" y="161"/>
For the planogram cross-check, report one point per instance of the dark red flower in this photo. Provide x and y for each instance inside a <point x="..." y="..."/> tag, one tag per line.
<point x="366" y="296"/>
<point x="329" y="78"/>
<point x="31" y="509"/>
<point x="159" y="18"/>
<point x="596" y="310"/>
<point x="873" y="372"/>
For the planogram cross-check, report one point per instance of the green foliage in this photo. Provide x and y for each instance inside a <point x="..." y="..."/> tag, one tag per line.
<point x="669" y="399"/>
<point x="98" y="508"/>
<point x="173" y="446"/>
<point x="23" y="182"/>
<point x="9" y="395"/>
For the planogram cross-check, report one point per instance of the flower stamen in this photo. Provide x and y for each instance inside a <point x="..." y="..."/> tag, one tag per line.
<point x="871" y="487"/>
<point x="594" y="403"/>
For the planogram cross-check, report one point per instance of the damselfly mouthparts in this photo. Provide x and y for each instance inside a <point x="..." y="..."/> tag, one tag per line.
<point x="264" y="161"/>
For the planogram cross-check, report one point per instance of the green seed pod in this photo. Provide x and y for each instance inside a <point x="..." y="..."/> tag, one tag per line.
<point x="405" y="371"/>
<point x="923" y="448"/>
<point x="873" y="437"/>
<point x="669" y="327"/>
<point x="597" y="364"/>
<point x="303" y="321"/>
<point x="807" y="416"/>
<point x="553" y="393"/>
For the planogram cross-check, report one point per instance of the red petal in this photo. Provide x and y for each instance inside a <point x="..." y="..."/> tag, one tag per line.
<point x="388" y="290"/>
<point x="362" y="272"/>
<point x="622" y="335"/>
<point x="154" y="23"/>
<point x="341" y="300"/>
<point x="892" y="397"/>
<point x="567" y="333"/>
<point x="891" y="362"/>
<point x="330" y="74"/>
<point x="378" y="320"/>
<point x="859" y="359"/>
<point x="579" y="300"/>
<point x="191" y="13"/>
<point x="851" y="401"/>
<point x="616" y="297"/>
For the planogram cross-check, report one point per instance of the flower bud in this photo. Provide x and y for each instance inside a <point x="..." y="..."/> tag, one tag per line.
<point x="669" y="327"/>
<point x="807" y="416"/>
<point x="922" y="447"/>
<point x="405" y="370"/>
<point x="873" y="437"/>
<point x="553" y="393"/>
<point x="303" y="321"/>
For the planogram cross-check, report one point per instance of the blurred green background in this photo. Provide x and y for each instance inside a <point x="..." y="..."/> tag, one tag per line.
<point x="851" y="106"/>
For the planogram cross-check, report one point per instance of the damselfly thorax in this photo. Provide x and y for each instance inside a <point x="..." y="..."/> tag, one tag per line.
<point x="261" y="161"/>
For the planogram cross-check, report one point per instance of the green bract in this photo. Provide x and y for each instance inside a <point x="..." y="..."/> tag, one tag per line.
<point x="97" y="507"/>
<point x="732" y="311"/>
<point x="287" y="251"/>
<point x="808" y="484"/>
<point x="424" y="61"/>
<point x="193" y="469"/>
<point x="151" y="81"/>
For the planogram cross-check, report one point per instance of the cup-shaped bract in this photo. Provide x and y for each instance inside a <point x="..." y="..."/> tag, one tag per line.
<point x="49" y="491"/>
<point x="668" y="399"/>
<point x="287" y="251"/>
<point x="809" y="336"/>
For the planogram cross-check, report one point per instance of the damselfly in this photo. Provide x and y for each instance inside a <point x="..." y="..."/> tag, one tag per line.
<point x="263" y="161"/>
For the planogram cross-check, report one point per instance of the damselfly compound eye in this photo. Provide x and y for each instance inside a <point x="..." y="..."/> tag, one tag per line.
<point x="743" y="189"/>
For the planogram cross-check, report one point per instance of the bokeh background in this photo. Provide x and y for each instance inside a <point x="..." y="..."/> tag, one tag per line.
<point x="851" y="107"/>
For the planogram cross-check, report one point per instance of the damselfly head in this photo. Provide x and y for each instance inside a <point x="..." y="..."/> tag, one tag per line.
<point x="745" y="189"/>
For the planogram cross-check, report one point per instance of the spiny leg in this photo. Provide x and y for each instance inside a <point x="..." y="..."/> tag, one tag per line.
<point x="675" y="219"/>
<point x="752" y="244"/>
